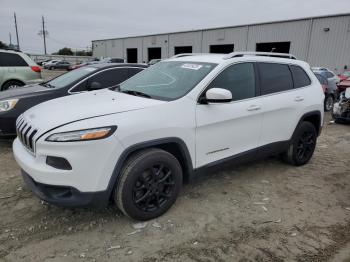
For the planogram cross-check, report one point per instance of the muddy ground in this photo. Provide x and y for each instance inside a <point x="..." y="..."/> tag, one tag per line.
<point x="262" y="211"/>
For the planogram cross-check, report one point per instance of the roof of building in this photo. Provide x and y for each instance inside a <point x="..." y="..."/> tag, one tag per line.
<point x="225" y="27"/>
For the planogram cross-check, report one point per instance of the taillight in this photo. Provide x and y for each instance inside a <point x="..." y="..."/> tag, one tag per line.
<point x="36" y="69"/>
<point x="324" y="88"/>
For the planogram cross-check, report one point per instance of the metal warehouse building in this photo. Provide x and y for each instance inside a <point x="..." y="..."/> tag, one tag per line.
<point x="321" y="41"/>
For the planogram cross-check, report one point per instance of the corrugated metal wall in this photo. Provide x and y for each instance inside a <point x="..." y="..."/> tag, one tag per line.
<point x="330" y="48"/>
<point x="310" y="40"/>
<point x="296" y="32"/>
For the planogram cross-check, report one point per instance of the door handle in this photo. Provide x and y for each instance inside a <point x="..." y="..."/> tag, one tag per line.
<point x="299" y="99"/>
<point x="253" y="108"/>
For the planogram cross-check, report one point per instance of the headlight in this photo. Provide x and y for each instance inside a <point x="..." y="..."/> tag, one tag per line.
<point x="7" y="105"/>
<point x="83" y="135"/>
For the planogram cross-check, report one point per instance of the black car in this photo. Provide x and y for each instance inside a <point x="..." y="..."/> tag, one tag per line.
<point x="14" y="102"/>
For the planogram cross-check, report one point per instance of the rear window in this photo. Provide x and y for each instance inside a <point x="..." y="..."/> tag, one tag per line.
<point x="322" y="79"/>
<point x="275" y="78"/>
<point x="300" y="77"/>
<point x="8" y="59"/>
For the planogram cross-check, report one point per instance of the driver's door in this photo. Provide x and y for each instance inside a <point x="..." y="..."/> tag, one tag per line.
<point x="227" y="129"/>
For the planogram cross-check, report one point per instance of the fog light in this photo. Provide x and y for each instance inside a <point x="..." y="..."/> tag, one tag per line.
<point x="58" y="162"/>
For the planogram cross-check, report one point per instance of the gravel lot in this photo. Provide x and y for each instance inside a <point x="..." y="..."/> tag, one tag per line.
<point x="262" y="211"/>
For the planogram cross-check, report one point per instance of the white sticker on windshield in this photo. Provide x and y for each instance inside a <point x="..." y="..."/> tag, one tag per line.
<point x="90" y="69"/>
<point x="191" y="66"/>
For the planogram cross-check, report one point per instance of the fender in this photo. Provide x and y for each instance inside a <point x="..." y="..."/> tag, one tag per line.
<point x="187" y="160"/>
<point x="309" y="115"/>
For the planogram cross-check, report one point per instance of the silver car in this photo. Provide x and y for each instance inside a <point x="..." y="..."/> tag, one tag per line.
<point x="17" y="69"/>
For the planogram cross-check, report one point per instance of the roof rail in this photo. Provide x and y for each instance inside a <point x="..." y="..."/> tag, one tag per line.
<point x="189" y="54"/>
<point x="249" y="53"/>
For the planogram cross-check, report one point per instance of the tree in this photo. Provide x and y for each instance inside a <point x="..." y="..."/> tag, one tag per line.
<point x="65" y="51"/>
<point x="3" y="45"/>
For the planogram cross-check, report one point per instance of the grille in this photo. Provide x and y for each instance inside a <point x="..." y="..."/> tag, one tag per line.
<point x="26" y="133"/>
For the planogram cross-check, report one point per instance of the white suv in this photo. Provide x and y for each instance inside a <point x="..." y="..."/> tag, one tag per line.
<point x="136" y="144"/>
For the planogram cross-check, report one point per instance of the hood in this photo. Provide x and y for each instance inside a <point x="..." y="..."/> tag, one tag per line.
<point x="61" y="111"/>
<point x="25" y="91"/>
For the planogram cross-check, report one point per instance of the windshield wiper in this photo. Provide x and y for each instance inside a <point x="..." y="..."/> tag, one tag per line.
<point x="135" y="93"/>
<point x="116" y="87"/>
<point x="46" y="84"/>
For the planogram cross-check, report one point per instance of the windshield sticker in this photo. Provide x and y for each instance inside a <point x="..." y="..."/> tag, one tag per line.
<point x="90" y="69"/>
<point x="191" y="66"/>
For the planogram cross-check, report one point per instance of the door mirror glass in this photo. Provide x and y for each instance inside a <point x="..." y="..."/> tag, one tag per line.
<point x="218" y="95"/>
<point x="347" y="93"/>
<point x="94" y="86"/>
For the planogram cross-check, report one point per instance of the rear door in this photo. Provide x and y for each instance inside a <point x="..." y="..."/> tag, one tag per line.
<point x="282" y="100"/>
<point x="227" y="129"/>
<point x="14" y="67"/>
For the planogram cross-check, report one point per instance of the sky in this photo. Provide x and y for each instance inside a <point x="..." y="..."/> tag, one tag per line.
<point x="74" y="23"/>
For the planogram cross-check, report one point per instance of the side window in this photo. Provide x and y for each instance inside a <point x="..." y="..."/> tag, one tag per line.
<point x="322" y="79"/>
<point x="239" y="79"/>
<point x="300" y="78"/>
<point x="80" y="87"/>
<point x="134" y="71"/>
<point x="110" y="77"/>
<point x="275" y="78"/>
<point x="9" y="60"/>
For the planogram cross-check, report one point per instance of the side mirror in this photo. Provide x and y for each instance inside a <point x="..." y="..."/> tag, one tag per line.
<point x="347" y="93"/>
<point x="218" y="95"/>
<point x="94" y="86"/>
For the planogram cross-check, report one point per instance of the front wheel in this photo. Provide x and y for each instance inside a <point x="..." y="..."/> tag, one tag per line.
<point x="149" y="184"/>
<point x="302" y="146"/>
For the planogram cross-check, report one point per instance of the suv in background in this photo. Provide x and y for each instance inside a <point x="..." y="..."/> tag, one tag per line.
<point x="326" y="73"/>
<point x="17" y="69"/>
<point x="136" y="144"/>
<point x="330" y="91"/>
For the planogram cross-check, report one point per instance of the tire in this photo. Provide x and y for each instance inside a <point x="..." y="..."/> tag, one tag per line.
<point x="11" y="84"/>
<point x="149" y="184"/>
<point x="302" y="145"/>
<point x="328" y="103"/>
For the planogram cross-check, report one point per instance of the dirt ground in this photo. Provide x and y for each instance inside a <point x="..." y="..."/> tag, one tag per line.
<point x="262" y="211"/>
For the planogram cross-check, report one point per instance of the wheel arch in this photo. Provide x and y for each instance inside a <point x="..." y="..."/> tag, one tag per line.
<point x="9" y="80"/>
<point x="173" y="145"/>
<point x="314" y="117"/>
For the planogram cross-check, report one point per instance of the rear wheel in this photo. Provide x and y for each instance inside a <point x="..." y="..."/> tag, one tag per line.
<point x="11" y="85"/>
<point x="149" y="184"/>
<point x="302" y="146"/>
<point x="328" y="103"/>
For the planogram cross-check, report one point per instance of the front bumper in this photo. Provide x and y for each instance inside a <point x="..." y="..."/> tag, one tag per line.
<point x="92" y="163"/>
<point x="65" y="196"/>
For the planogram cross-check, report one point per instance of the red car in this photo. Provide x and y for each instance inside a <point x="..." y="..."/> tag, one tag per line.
<point x="344" y="75"/>
<point x="343" y="85"/>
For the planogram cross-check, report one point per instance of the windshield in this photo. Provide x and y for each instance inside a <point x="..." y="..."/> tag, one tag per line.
<point x="167" y="80"/>
<point x="70" y="77"/>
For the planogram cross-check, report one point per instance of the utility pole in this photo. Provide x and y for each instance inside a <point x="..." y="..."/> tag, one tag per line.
<point x="10" y="38"/>
<point x="14" y="14"/>
<point x="44" y="34"/>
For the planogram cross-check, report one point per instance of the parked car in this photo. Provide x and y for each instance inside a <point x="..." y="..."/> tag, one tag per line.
<point x="59" y="65"/>
<point x="330" y="91"/>
<point x="48" y="64"/>
<point x="41" y="63"/>
<point x="136" y="144"/>
<point x="15" y="102"/>
<point x="76" y="66"/>
<point x="342" y="85"/>
<point x="112" y="60"/>
<point x="341" y="110"/>
<point x="326" y="73"/>
<point x="154" y="61"/>
<point x="345" y="75"/>
<point x="17" y="69"/>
